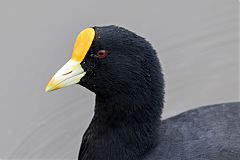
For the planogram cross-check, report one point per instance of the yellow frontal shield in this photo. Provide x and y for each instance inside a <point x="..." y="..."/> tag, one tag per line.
<point x="72" y="71"/>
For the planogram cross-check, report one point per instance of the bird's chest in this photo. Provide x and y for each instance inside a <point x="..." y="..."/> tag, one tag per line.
<point x="104" y="150"/>
<point x="106" y="146"/>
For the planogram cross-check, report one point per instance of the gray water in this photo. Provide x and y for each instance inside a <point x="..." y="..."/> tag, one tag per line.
<point x="197" y="43"/>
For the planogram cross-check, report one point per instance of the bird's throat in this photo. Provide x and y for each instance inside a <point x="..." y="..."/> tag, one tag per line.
<point x="123" y="126"/>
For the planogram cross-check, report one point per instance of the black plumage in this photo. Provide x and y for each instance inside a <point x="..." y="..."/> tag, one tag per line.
<point x="126" y="125"/>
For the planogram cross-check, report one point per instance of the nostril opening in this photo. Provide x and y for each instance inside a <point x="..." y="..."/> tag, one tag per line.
<point x="67" y="73"/>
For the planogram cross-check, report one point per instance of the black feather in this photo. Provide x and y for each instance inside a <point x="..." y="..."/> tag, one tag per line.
<point x="127" y="124"/>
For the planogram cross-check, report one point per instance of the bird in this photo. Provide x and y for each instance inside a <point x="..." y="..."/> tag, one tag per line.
<point x="124" y="71"/>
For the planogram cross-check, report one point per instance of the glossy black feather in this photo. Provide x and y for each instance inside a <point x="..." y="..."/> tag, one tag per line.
<point x="207" y="133"/>
<point x="129" y="89"/>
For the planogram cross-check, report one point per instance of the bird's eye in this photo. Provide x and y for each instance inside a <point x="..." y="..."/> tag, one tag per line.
<point x="101" y="54"/>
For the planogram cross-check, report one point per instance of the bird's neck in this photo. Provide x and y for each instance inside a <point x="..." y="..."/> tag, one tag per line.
<point x="126" y="121"/>
<point x="124" y="126"/>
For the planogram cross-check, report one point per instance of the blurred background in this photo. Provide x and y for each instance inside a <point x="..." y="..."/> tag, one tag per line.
<point x="197" y="43"/>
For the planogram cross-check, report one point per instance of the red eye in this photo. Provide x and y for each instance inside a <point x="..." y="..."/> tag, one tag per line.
<point x="101" y="54"/>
